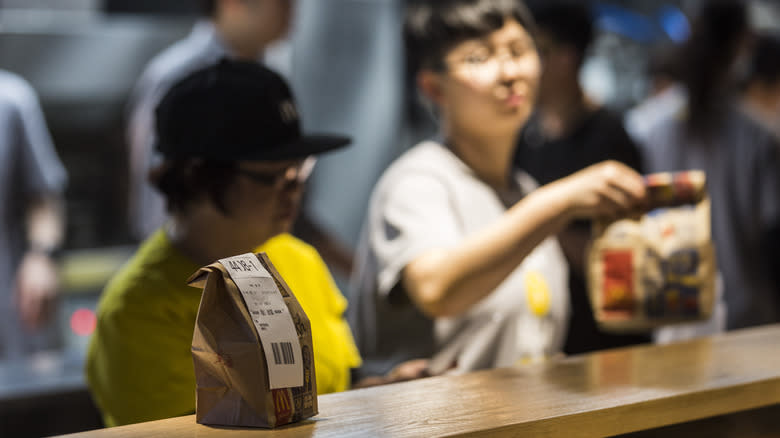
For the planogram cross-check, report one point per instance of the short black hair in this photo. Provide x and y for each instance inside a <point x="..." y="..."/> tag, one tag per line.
<point x="433" y="27"/>
<point x="663" y="61"/>
<point x="209" y="7"/>
<point x="706" y="60"/>
<point x="765" y="65"/>
<point x="568" y="22"/>
<point x="182" y="182"/>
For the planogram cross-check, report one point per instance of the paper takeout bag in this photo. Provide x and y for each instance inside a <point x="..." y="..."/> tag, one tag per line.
<point x="252" y="347"/>
<point x="660" y="269"/>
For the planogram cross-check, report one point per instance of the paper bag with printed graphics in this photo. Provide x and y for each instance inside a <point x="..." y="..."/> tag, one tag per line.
<point x="252" y="347"/>
<point x="660" y="269"/>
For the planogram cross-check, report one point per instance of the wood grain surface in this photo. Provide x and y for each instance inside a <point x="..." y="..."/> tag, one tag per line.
<point x="600" y="394"/>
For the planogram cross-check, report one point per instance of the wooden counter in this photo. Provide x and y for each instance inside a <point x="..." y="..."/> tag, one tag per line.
<point x="601" y="394"/>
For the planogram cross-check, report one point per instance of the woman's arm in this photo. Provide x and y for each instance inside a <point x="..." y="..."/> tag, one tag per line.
<point x="449" y="282"/>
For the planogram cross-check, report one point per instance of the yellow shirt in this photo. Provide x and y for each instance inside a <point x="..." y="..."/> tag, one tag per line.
<point x="139" y="364"/>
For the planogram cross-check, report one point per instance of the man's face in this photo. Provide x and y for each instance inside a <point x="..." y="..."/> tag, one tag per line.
<point x="773" y="91"/>
<point x="264" y="198"/>
<point x="560" y="66"/>
<point x="267" y="20"/>
<point x="490" y="84"/>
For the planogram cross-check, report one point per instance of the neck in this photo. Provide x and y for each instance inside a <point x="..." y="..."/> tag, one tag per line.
<point x="760" y="99"/>
<point x="241" y="46"/>
<point x="205" y="238"/>
<point x="560" y="113"/>
<point x="489" y="156"/>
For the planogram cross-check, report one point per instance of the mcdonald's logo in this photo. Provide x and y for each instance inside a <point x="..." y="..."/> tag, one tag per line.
<point x="280" y="400"/>
<point x="282" y="405"/>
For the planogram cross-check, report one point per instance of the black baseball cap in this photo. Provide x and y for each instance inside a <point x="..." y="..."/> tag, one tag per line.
<point x="235" y="111"/>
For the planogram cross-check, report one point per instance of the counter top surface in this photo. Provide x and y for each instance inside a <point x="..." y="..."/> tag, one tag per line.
<point x="605" y="393"/>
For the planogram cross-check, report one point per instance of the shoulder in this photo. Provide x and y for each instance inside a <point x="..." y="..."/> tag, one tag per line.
<point x="301" y="266"/>
<point x="752" y="135"/>
<point x="606" y="116"/>
<point x="130" y="288"/>
<point x="670" y="125"/>
<point x="287" y="247"/>
<point x="749" y="125"/>
<point x="153" y="275"/>
<point x="173" y="63"/>
<point x="428" y="154"/>
<point x="428" y="161"/>
<point x="607" y="122"/>
<point x="15" y="91"/>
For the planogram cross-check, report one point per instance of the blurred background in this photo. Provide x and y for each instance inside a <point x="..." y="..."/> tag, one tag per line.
<point x="83" y="58"/>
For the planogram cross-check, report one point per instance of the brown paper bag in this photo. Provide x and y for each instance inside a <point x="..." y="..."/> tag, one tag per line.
<point x="252" y="347"/>
<point x="660" y="269"/>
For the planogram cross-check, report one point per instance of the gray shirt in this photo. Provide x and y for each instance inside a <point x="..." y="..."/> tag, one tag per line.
<point x="429" y="199"/>
<point x="29" y="167"/>
<point x="743" y="181"/>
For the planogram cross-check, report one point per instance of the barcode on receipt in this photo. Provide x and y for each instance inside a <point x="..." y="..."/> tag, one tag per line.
<point x="283" y="353"/>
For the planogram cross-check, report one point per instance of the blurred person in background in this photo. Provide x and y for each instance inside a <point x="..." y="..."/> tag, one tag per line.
<point x="567" y="133"/>
<point x="665" y="94"/>
<point x="31" y="223"/>
<point x="761" y="93"/>
<point x="240" y="29"/>
<point x="740" y="159"/>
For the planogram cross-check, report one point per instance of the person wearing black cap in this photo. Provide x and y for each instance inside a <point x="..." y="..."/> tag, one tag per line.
<point x="251" y="30"/>
<point x="234" y="165"/>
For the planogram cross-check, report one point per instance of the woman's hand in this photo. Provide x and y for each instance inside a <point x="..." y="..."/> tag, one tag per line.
<point x="607" y="190"/>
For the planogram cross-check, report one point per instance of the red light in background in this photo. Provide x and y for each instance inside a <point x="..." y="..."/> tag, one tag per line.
<point x="83" y="322"/>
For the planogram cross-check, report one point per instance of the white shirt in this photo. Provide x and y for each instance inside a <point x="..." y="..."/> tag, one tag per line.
<point x="429" y="199"/>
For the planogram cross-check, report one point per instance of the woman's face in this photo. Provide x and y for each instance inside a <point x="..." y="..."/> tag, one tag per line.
<point x="491" y="83"/>
<point x="264" y="198"/>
